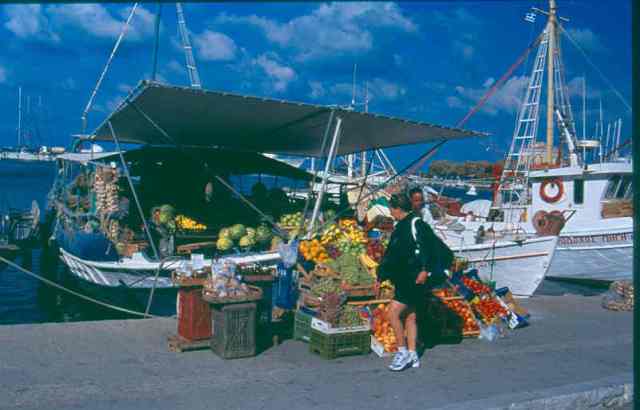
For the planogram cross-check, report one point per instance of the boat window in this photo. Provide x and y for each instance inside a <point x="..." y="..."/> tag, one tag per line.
<point x="612" y="187"/>
<point x="626" y="182"/>
<point x="578" y="191"/>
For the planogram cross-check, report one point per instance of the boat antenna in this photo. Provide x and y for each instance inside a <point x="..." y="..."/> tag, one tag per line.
<point x="156" y="45"/>
<point x="353" y="89"/>
<point x="584" y="105"/>
<point x="194" y="77"/>
<point x="123" y="31"/>
<point x="19" y="115"/>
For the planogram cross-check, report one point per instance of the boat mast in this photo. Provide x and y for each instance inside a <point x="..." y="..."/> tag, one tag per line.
<point x="584" y="105"/>
<point x="363" y="161"/>
<point x="19" y="115"/>
<point x="551" y="27"/>
<point x="194" y="77"/>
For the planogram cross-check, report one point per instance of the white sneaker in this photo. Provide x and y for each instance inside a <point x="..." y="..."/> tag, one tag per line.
<point x="415" y="359"/>
<point x="401" y="361"/>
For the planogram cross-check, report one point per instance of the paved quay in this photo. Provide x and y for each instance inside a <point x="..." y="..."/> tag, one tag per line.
<point x="575" y="354"/>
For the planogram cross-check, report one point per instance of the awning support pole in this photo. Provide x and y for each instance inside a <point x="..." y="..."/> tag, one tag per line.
<point x="144" y="221"/>
<point x="323" y="146"/>
<point x="330" y="158"/>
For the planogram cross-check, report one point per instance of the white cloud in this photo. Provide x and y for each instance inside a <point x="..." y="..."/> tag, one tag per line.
<point x="586" y="39"/>
<point x="3" y="75"/>
<point x="384" y="89"/>
<point x="317" y="89"/>
<point x="114" y="103"/>
<point x="29" y="21"/>
<point x="454" y="102"/>
<point x="124" y="88"/>
<point x="376" y="89"/>
<point x="455" y="19"/>
<point x="507" y="98"/>
<point x="462" y="25"/>
<point x="213" y="46"/>
<point x="574" y="88"/>
<point x="330" y="29"/>
<point x="96" y="21"/>
<point x="176" y="67"/>
<point x="279" y="74"/>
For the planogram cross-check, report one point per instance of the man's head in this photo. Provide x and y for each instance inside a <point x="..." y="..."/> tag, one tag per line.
<point x="417" y="199"/>
<point x="399" y="205"/>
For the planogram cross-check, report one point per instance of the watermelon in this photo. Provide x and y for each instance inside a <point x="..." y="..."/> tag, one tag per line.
<point x="224" y="244"/>
<point x="238" y="231"/>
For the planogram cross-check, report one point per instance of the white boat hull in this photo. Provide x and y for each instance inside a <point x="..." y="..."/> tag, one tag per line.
<point x="138" y="272"/>
<point x="520" y="266"/>
<point x="596" y="256"/>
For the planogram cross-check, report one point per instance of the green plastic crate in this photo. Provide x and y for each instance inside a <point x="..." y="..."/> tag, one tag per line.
<point x="302" y="326"/>
<point x="333" y="343"/>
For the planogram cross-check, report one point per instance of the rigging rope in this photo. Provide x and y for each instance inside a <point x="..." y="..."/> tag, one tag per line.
<point x="124" y="30"/>
<point x="616" y="92"/>
<point x="74" y="293"/>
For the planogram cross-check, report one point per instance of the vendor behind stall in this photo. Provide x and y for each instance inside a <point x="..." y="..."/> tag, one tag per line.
<point x="414" y="261"/>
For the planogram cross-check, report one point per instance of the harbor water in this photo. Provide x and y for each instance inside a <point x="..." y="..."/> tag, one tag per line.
<point x="24" y="299"/>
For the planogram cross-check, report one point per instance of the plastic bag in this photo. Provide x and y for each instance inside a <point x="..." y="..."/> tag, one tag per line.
<point x="289" y="253"/>
<point x="489" y="333"/>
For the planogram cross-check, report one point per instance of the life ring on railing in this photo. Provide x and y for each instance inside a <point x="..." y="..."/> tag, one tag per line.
<point x="551" y="197"/>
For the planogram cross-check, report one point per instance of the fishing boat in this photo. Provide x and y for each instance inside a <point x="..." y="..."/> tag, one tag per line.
<point x="581" y="187"/>
<point x="472" y="191"/>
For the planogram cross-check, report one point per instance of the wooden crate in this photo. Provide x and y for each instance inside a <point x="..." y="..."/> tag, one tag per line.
<point x="178" y="344"/>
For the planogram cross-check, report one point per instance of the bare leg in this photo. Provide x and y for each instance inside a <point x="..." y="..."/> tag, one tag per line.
<point x="396" y="323"/>
<point x="412" y="330"/>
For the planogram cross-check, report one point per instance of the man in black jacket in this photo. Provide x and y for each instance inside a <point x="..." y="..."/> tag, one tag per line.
<point x="415" y="260"/>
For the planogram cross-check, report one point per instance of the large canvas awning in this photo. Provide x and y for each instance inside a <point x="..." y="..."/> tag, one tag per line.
<point x="159" y="114"/>
<point x="217" y="161"/>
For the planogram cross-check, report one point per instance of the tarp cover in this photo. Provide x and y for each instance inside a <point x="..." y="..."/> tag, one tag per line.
<point x="217" y="161"/>
<point x="193" y="117"/>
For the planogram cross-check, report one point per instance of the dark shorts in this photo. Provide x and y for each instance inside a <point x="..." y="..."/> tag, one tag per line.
<point x="410" y="294"/>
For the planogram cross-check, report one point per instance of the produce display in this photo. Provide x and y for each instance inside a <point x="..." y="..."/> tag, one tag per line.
<point x="324" y="286"/>
<point x="313" y="251"/>
<point x="165" y="216"/>
<point x="242" y="236"/>
<point x="445" y="293"/>
<point x="291" y="220"/>
<point x="351" y="270"/>
<point x="350" y="316"/>
<point x="475" y="286"/>
<point x="382" y="330"/>
<point x="369" y="263"/>
<point x="462" y="309"/>
<point x="185" y="223"/>
<point x="490" y="309"/>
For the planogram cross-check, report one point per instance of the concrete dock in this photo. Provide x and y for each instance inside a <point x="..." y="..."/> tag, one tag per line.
<point x="575" y="354"/>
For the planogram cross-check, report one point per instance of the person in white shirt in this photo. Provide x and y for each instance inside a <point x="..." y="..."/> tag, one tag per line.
<point x="417" y="203"/>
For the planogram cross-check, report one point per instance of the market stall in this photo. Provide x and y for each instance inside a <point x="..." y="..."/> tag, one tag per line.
<point x="331" y="259"/>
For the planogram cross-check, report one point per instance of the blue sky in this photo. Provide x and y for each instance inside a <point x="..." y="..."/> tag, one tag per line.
<point x="426" y="61"/>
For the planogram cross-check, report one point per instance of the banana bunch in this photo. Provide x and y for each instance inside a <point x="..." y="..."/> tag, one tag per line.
<point x="367" y="262"/>
<point x="330" y="234"/>
<point x="186" y="223"/>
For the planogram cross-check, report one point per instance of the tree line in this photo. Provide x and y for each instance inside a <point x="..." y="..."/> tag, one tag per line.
<point x="467" y="169"/>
